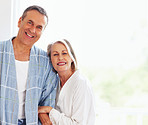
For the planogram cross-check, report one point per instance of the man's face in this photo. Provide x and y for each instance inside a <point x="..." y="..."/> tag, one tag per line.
<point x="31" y="28"/>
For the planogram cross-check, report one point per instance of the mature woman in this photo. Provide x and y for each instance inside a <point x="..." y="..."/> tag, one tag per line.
<point x="74" y="101"/>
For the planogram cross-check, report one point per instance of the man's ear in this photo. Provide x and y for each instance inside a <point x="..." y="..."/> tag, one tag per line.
<point x="19" y="22"/>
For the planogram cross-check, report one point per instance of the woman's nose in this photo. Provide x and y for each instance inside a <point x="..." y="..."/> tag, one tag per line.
<point x="60" y="57"/>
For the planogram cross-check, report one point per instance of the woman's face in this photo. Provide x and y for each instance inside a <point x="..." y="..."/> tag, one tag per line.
<point x="60" y="58"/>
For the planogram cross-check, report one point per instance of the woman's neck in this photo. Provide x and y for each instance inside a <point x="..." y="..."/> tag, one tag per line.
<point x="64" y="76"/>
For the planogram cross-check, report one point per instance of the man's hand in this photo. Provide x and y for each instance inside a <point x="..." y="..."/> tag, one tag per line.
<point x="44" y="109"/>
<point x="44" y="118"/>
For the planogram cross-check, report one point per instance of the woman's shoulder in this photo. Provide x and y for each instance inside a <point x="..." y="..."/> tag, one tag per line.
<point x="81" y="80"/>
<point x="82" y="85"/>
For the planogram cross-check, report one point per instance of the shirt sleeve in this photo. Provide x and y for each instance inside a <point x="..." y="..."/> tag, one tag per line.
<point x="49" y="90"/>
<point x="83" y="109"/>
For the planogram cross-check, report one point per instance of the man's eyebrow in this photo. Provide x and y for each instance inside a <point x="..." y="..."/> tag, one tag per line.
<point x="40" y="26"/>
<point x="31" y="21"/>
<point x="37" y="25"/>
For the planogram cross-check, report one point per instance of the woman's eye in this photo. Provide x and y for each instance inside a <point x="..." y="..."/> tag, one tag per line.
<point x="64" y="53"/>
<point x="55" y="54"/>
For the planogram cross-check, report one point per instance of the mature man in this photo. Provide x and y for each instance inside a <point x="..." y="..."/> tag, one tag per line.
<point x="26" y="77"/>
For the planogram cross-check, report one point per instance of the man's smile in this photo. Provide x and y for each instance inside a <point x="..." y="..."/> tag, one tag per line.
<point x="29" y="35"/>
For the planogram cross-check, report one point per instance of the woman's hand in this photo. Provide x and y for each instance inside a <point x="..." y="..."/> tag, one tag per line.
<point x="44" y="109"/>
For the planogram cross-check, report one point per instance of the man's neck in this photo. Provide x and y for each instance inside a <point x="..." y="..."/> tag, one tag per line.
<point x="21" y="52"/>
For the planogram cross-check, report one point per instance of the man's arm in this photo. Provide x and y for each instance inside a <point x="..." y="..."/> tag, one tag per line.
<point x="50" y="82"/>
<point x="44" y="118"/>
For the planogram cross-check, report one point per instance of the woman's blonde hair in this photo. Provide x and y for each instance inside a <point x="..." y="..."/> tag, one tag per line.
<point x="70" y="50"/>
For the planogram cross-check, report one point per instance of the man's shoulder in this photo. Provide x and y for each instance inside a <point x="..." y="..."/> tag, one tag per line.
<point x="39" y="51"/>
<point x="4" y="41"/>
<point x="5" y="44"/>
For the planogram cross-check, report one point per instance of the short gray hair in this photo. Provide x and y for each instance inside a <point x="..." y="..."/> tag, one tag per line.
<point x="37" y="8"/>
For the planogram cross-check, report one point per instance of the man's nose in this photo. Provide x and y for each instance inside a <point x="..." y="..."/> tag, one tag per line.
<point x="32" y="29"/>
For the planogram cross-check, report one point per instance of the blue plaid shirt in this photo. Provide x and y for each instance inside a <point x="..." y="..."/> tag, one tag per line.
<point x="41" y="85"/>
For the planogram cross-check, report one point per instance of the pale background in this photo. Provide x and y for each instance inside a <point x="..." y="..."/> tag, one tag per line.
<point x="105" y="34"/>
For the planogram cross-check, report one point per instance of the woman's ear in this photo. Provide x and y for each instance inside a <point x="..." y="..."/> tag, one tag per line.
<point x="71" y="60"/>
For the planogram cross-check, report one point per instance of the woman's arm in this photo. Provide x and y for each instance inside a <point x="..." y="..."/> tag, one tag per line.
<point x="83" y="109"/>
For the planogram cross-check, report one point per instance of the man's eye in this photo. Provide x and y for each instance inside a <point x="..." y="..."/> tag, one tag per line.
<point x="29" y="22"/>
<point x="39" y="27"/>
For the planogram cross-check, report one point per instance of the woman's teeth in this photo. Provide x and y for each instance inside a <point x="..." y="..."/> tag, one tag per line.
<point x="61" y="63"/>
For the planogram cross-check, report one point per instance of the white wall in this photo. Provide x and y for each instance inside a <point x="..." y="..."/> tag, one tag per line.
<point x="99" y="32"/>
<point x="9" y="11"/>
<point x="5" y="21"/>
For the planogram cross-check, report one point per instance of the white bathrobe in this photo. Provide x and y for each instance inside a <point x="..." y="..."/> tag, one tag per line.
<point x="74" y="103"/>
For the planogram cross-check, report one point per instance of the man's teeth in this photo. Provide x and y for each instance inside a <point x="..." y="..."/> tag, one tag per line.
<point x="29" y="35"/>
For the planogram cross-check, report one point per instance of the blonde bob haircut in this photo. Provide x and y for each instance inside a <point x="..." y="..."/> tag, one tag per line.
<point x="70" y="52"/>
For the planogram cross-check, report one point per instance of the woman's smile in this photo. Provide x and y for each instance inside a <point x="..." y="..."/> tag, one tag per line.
<point x="61" y="63"/>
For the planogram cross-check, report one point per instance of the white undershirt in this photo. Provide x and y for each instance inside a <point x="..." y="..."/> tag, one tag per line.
<point x="21" y="74"/>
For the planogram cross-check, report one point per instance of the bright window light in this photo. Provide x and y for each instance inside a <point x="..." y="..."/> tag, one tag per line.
<point x="110" y="38"/>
